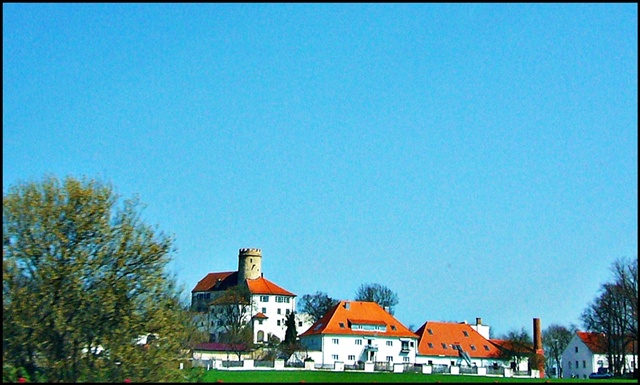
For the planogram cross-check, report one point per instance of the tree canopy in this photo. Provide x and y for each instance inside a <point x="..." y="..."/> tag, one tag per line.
<point x="83" y="279"/>
<point x="380" y="294"/>
<point x="316" y="305"/>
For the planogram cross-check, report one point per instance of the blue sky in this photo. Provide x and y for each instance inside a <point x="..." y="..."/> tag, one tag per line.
<point x="479" y="160"/>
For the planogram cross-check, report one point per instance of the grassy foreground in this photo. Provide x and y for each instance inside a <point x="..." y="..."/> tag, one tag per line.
<point x="345" y="377"/>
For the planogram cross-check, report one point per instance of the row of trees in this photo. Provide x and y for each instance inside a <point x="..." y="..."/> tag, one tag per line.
<point x="83" y="279"/>
<point x="614" y="313"/>
<point x="317" y="304"/>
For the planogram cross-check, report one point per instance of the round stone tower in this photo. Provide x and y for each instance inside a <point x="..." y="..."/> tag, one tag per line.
<point x="249" y="264"/>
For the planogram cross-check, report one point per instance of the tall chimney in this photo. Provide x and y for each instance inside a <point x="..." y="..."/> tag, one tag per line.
<point x="537" y="335"/>
<point x="537" y="345"/>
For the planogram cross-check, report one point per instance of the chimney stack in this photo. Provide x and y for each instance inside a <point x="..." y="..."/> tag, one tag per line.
<point x="537" y="335"/>
<point x="478" y="321"/>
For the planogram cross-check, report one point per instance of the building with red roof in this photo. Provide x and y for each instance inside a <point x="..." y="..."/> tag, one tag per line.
<point x="587" y="352"/>
<point x="270" y="303"/>
<point x="359" y="331"/>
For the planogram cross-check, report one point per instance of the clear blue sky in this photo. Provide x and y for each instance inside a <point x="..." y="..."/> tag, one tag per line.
<point x="479" y="160"/>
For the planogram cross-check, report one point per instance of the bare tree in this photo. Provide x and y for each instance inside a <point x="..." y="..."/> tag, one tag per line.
<point x="380" y="294"/>
<point x="614" y="313"/>
<point x="316" y="305"/>
<point x="555" y="340"/>
<point x="517" y="346"/>
<point x="230" y="314"/>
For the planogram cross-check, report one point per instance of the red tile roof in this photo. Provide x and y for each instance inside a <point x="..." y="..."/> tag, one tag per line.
<point x="260" y="315"/>
<point x="224" y="280"/>
<point x="338" y="320"/>
<point x="597" y="342"/>
<point x="450" y="333"/>
<point x="264" y="286"/>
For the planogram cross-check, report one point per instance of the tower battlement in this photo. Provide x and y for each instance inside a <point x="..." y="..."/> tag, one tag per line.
<point x="249" y="250"/>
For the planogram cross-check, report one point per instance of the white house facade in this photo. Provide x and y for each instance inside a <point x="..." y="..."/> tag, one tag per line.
<point x="586" y="353"/>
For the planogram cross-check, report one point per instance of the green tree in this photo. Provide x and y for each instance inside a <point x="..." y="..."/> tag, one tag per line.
<point x="290" y="343"/>
<point x="316" y="305"/>
<point x="83" y="278"/>
<point x="380" y="294"/>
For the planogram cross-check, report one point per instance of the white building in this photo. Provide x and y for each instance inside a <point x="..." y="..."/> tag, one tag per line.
<point x="354" y="331"/>
<point x="270" y="303"/>
<point x="586" y="353"/>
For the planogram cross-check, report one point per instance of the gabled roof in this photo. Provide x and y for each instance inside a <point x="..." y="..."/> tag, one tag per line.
<point x="340" y="318"/>
<point x="264" y="286"/>
<point x="217" y="281"/>
<point x="260" y="315"/>
<point x="434" y="334"/>
<point x="597" y="342"/>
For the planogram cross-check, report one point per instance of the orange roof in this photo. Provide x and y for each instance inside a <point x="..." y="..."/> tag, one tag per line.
<point x="260" y="315"/>
<point x="208" y="283"/>
<point x="434" y="334"/>
<point x="338" y="320"/>
<point x="264" y="286"/>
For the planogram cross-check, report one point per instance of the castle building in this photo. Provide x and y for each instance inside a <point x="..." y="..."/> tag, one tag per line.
<point x="269" y="303"/>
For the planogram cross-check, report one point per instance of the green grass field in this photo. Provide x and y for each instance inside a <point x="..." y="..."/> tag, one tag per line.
<point x="346" y="377"/>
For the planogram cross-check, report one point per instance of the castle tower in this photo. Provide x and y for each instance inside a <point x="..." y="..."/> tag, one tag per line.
<point x="249" y="264"/>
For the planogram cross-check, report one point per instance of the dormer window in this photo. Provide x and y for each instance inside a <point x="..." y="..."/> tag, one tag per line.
<point x="430" y="331"/>
<point x="465" y="333"/>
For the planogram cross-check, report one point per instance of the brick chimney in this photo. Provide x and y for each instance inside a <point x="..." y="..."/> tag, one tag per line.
<point x="537" y="345"/>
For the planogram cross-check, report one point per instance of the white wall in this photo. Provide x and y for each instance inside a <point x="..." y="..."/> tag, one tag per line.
<point x="350" y="353"/>
<point x="270" y="308"/>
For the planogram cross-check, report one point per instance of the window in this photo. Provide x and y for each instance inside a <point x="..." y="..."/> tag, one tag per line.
<point x="465" y="333"/>
<point x="576" y="349"/>
<point x="351" y="357"/>
<point x="281" y="299"/>
<point x="577" y="365"/>
<point x="279" y="311"/>
<point x="473" y="347"/>
<point x="393" y="327"/>
<point x="264" y="298"/>
<point x="299" y="323"/>
<point x="341" y="325"/>
<point x="405" y="359"/>
<point x="278" y="322"/>
<point x="334" y="341"/>
<point x="389" y="343"/>
<point x="411" y="344"/>
<point x="404" y="345"/>
<point x="444" y="346"/>
<point x="430" y="345"/>
<point x="259" y="322"/>
<point x="286" y="312"/>
<point x="584" y="363"/>
<point x="430" y="362"/>
<point x="334" y="356"/>
<point x="264" y="310"/>
<point x="389" y="359"/>
<point x="430" y="331"/>
<point x="486" y="347"/>
<point x="358" y="342"/>
<point x="569" y="364"/>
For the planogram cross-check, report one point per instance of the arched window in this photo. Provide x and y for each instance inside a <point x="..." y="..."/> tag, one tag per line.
<point x="260" y="335"/>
